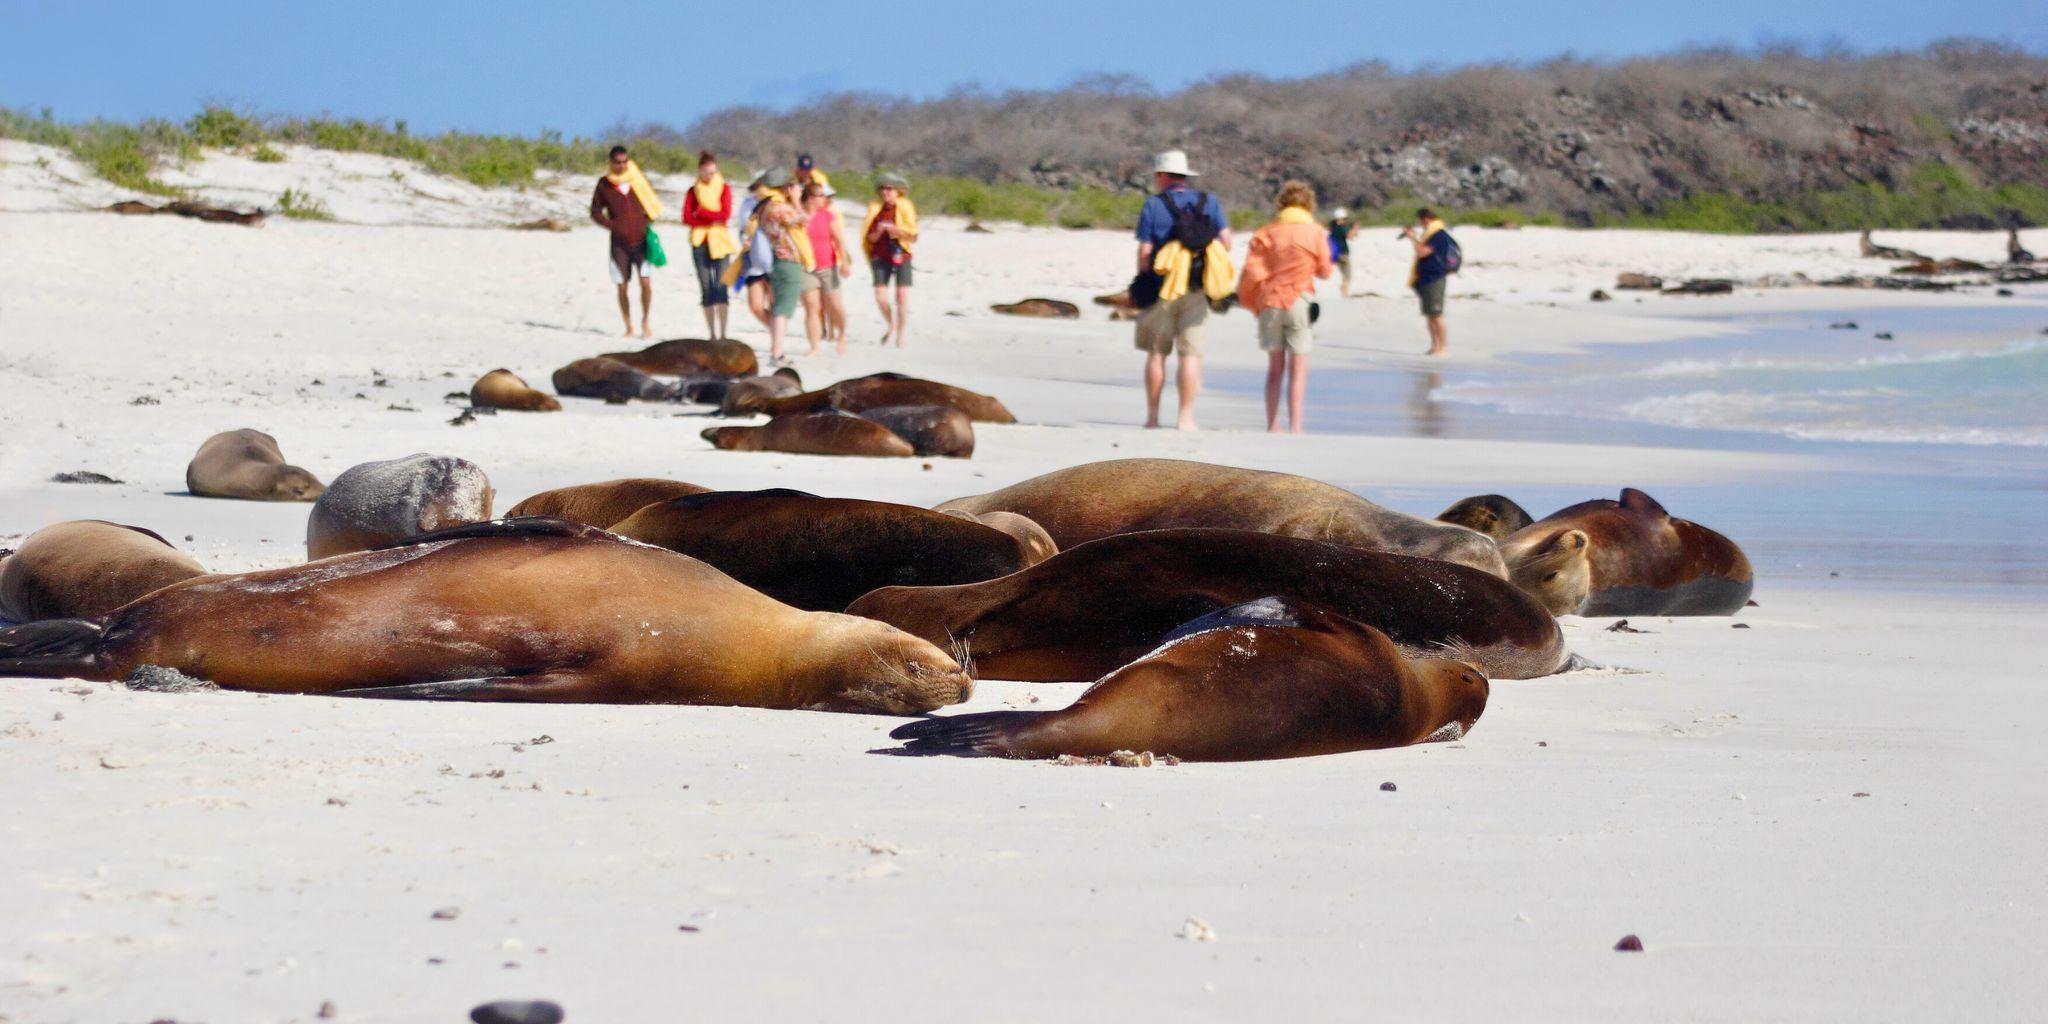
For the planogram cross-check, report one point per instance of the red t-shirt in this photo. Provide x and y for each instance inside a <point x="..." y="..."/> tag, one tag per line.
<point x="822" y="245"/>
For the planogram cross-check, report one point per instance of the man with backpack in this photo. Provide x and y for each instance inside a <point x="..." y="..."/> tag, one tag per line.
<point x="1175" y="326"/>
<point x="1437" y="257"/>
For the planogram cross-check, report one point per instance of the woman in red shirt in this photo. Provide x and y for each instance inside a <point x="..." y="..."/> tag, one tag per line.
<point x="824" y="304"/>
<point x="707" y="206"/>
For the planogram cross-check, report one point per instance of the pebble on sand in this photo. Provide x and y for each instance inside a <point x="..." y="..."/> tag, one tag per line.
<point x="518" y="1011"/>
<point x="1197" y="930"/>
<point x="1629" y="944"/>
<point x="1387" y="787"/>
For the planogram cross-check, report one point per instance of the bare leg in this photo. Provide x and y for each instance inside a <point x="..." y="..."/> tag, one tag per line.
<point x="814" y="319"/>
<point x="719" y="330"/>
<point x="902" y="313"/>
<point x="1188" y="384"/>
<point x="1439" y="338"/>
<point x="1155" y="383"/>
<point x="835" y="319"/>
<point x="1297" y="390"/>
<point x="888" y="315"/>
<point x="646" y="305"/>
<point x="626" y="309"/>
<point x="1276" y="364"/>
<point x="778" y="325"/>
<point x="757" y="301"/>
<point x="711" y="321"/>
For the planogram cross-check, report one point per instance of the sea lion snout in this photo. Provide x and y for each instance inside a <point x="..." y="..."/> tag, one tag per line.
<point x="296" y="484"/>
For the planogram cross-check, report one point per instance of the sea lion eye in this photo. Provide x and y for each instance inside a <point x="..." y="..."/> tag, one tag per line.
<point x="1547" y="577"/>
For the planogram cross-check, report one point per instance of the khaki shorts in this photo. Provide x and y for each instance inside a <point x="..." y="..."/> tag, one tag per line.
<point x="1175" y="327"/>
<point x="824" y="279"/>
<point x="1287" y="329"/>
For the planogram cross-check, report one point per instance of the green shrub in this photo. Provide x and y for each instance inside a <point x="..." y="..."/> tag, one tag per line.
<point x="268" y="154"/>
<point x="217" y="127"/>
<point x="298" y="205"/>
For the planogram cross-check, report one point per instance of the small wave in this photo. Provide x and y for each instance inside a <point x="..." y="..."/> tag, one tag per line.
<point x="1886" y="360"/>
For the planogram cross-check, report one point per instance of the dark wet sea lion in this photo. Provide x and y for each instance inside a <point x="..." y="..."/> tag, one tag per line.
<point x="1038" y="544"/>
<point x="602" y="504"/>
<point x="879" y="389"/>
<point x="824" y="433"/>
<point x="743" y="396"/>
<point x="247" y="464"/>
<point x="1051" y="309"/>
<point x="930" y="429"/>
<point x="87" y="567"/>
<point x="1491" y="514"/>
<point x="1101" y="499"/>
<point x="502" y="389"/>
<point x="1090" y="608"/>
<point x="680" y="356"/>
<point x="820" y="553"/>
<point x="607" y="378"/>
<point x="1260" y="681"/>
<point x="1643" y="560"/>
<point x="377" y="504"/>
<point x="528" y="610"/>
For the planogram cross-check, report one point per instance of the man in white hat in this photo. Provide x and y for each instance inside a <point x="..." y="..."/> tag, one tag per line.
<point x="1341" y="230"/>
<point x="1175" y="327"/>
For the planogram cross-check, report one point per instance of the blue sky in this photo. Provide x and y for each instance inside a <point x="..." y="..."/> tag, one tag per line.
<point x="520" y="66"/>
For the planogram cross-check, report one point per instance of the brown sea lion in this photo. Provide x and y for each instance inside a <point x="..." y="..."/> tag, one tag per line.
<point x="1491" y="514"/>
<point x="602" y="504"/>
<point x="614" y="381"/>
<point x="1038" y="544"/>
<point x="679" y="356"/>
<point x="378" y="504"/>
<point x="1260" y="681"/>
<point x="524" y="610"/>
<point x="1051" y="309"/>
<point x="740" y="397"/>
<point x="820" y="553"/>
<point x="930" y="429"/>
<point x="1088" y="609"/>
<point x="1557" y="571"/>
<point x="879" y="389"/>
<point x="87" y="567"/>
<point x="247" y="464"/>
<point x="1100" y="499"/>
<point x="822" y="433"/>
<point x="1643" y="560"/>
<point x="502" y="389"/>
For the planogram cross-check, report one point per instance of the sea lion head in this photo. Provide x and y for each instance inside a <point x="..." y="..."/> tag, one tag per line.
<point x="1033" y="542"/>
<point x="874" y="667"/>
<point x="1458" y="695"/>
<point x="1494" y="515"/>
<point x="726" y="437"/>
<point x="295" y="484"/>
<point x="1553" y="568"/>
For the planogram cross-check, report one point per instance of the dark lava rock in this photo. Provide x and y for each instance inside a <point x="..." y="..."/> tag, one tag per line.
<point x="1629" y="944"/>
<point x="518" y="1011"/>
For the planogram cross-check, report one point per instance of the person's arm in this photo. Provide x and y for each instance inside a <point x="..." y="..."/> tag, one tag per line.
<point x="1324" y="264"/>
<point x="599" y="213"/>
<point x="1147" y="230"/>
<point x="1422" y="249"/>
<point x="1221" y="221"/>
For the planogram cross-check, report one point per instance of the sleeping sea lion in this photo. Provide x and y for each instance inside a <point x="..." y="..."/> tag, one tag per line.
<point x="1090" y="608"/>
<point x="820" y="553"/>
<point x="823" y="433"/>
<point x="1099" y="499"/>
<point x="247" y="464"/>
<point x="524" y="610"/>
<point x="380" y="503"/>
<point x="602" y="504"/>
<point x="679" y="356"/>
<point x="742" y="396"/>
<point x="1259" y="681"/>
<point x="502" y="389"/>
<point x="87" y="567"/>
<point x="1051" y="309"/>
<point x="1491" y="514"/>
<point x="1642" y="560"/>
<point x="879" y="389"/>
<point x="930" y="429"/>
<point x="1038" y="544"/>
<point x="614" y="381"/>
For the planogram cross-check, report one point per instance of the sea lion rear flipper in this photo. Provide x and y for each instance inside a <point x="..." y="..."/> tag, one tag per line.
<point x="554" y="686"/>
<point x="1636" y="501"/>
<point x="980" y="733"/>
<point x="516" y="526"/>
<point x="51" y="648"/>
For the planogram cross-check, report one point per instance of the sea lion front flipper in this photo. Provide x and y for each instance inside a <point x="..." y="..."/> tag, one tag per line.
<point x="557" y="687"/>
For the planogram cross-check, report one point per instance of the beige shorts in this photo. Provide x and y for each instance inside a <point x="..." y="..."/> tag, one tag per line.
<point x="1175" y="327"/>
<point x="1287" y="329"/>
<point x="823" y="279"/>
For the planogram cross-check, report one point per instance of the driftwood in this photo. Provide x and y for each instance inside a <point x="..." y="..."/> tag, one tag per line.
<point x="196" y="211"/>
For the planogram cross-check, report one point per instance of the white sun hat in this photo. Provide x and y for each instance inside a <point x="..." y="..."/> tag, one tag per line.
<point x="1341" y="213"/>
<point x="1173" y="161"/>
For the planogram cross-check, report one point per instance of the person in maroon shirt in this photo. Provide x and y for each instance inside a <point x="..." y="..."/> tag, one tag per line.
<point x="614" y="206"/>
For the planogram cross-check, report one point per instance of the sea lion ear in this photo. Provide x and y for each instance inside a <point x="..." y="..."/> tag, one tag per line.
<point x="1636" y="501"/>
<point x="1572" y="540"/>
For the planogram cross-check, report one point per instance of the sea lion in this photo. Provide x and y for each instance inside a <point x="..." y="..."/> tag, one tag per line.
<point x="502" y="389"/>
<point x="602" y="504"/>
<point x="614" y="381"/>
<point x="823" y="433"/>
<point x="87" y="567"/>
<point x="1099" y="499"/>
<point x="740" y="397"/>
<point x="379" y="503"/>
<point x="1643" y="561"/>
<point x="1259" y="681"/>
<point x="1051" y="309"/>
<point x="679" y="356"/>
<point x="879" y="389"/>
<point x="817" y="553"/>
<point x="930" y="429"/>
<point x="1038" y="544"/>
<point x="1090" y="608"/>
<point x="1491" y="514"/>
<point x="247" y="464"/>
<point x="523" y="610"/>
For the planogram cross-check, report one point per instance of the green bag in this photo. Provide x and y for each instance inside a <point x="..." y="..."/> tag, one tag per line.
<point x="656" y="255"/>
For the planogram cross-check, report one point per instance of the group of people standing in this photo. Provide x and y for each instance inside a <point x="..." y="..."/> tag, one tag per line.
<point x="783" y="246"/>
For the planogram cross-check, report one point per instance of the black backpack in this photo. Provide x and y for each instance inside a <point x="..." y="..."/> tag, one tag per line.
<point x="1193" y="229"/>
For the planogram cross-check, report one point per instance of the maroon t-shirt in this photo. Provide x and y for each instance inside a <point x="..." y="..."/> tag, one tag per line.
<point x="628" y="221"/>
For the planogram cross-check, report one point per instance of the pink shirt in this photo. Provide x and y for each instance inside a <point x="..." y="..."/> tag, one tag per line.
<point x="822" y="248"/>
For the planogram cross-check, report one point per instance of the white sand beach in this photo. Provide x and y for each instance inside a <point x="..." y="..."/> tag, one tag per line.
<point x="1822" y="815"/>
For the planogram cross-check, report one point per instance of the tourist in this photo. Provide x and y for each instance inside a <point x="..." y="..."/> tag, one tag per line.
<point x="780" y="222"/>
<point x="824" y="307"/>
<point x="1175" y="326"/>
<point x="1436" y="258"/>
<point x="1279" y="276"/>
<point x="808" y="174"/>
<point x="624" y="204"/>
<point x="751" y="268"/>
<point x="887" y="237"/>
<point x="1341" y="232"/>
<point x="707" y="206"/>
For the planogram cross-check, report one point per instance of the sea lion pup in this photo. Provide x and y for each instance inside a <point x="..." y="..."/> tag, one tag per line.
<point x="1096" y="500"/>
<point x="521" y="610"/>
<point x="614" y="381"/>
<point x="87" y="567"/>
<point x="681" y="356"/>
<point x="1051" y="309"/>
<point x="823" y="433"/>
<point x="1088" y="609"/>
<point x="1259" y="681"/>
<point x="247" y="464"/>
<point x="819" y="554"/>
<point x="602" y="504"/>
<point x="1491" y="514"/>
<point x="879" y="389"/>
<point x="1038" y="544"/>
<point x="741" y="397"/>
<point x="930" y="429"/>
<point x="502" y="389"/>
<point x="379" y="503"/>
<point x="1643" y="561"/>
